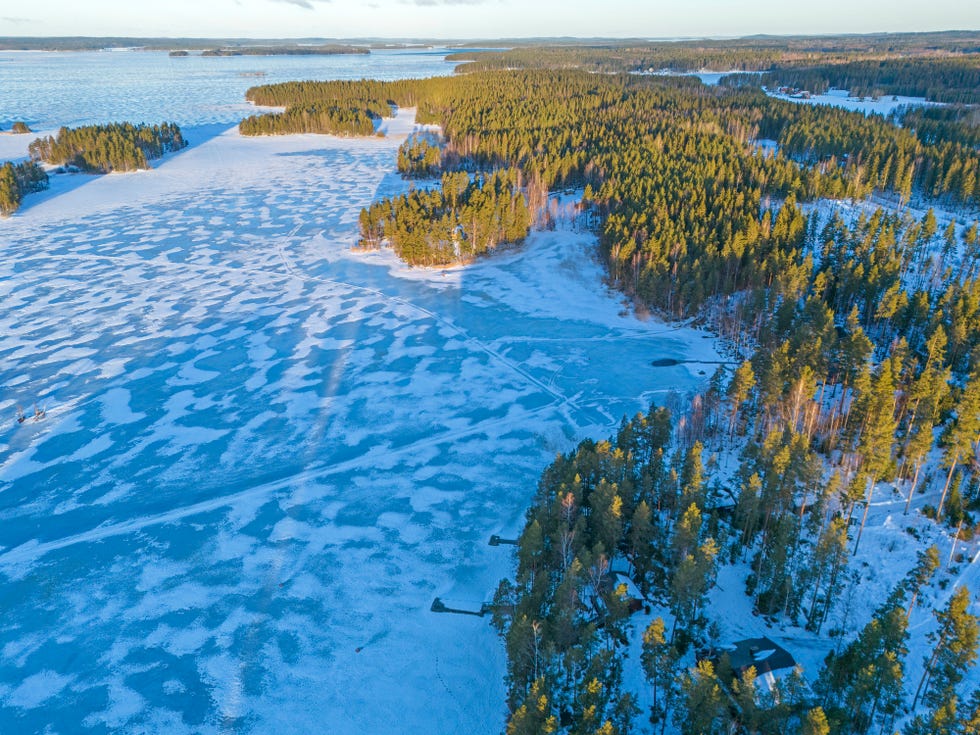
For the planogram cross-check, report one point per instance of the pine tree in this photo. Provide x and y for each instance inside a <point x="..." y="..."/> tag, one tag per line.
<point x="687" y="533"/>
<point x="963" y="434"/>
<point x="744" y="694"/>
<point x="927" y="395"/>
<point x="9" y="190"/>
<point x="867" y="677"/>
<point x="815" y="723"/>
<point x="748" y="509"/>
<point x="659" y="660"/>
<point x="942" y="721"/>
<point x="703" y="711"/>
<point x="970" y="722"/>
<point x="954" y="653"/>
<point x="530" y="551"/>
<point x="606" y="520"/>
<point x="925" y="567"/>
<point x="828" y="559"/>
<point x="535" y="716"/>
<point x="641" y="538"/>
<point x="692" y="478"/>
<point x="743" y="381"/>
<point x="877" y="434"/>
<point x="692" y="579"/>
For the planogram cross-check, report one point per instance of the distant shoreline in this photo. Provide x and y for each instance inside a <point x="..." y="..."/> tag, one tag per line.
<point x="233" y="46"/>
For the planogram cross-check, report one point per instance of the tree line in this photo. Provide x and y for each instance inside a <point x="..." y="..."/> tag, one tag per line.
<point x="335" y="108"/>
<point x="669" y="167"/>
<point x="420" y="156"/>
<point x="16" y="181"/>
<point x="105" y="148"/>
<point x="953" y="80"/>
<point x="314" y="118"/>
<point x="943" y="67"/>
<point x="942" y="124"/>
<point x="858" y="343"/>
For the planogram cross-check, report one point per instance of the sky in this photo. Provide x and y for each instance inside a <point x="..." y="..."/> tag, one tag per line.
<point x="480" y="18"/>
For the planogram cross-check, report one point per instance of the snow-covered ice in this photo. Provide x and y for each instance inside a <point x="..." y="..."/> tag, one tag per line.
<point x="265" y="454"/>
<point x="50" y="89"/>
<point x="707" y="76"/>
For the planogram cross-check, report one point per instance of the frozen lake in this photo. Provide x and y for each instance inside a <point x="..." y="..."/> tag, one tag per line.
<point x="264" y="454"/>
<point x="47" y="90"/>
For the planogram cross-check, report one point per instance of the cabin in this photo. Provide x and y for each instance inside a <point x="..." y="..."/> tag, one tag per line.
<point x="770" y="661"/>
<point x="635" y="600"/>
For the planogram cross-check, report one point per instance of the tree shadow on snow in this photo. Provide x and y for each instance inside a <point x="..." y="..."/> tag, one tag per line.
<point x="67" y="182"/>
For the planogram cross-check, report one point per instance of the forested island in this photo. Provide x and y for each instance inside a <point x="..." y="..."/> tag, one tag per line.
<point x="91" y="149"/>
<point x="856" y="367"/>
<point x="286" y="51"/>
<point x="19" y="128"/>
<point x="244" y="46"/>
<point x="455" y="223"/>
<point x="321" y="118"/>
<point x="334" y="108"/>
<point x="106" y="148"/>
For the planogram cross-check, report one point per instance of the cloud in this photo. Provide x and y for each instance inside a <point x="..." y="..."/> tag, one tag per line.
<point x="307" y="4"/>
<point x="446" y="2"/>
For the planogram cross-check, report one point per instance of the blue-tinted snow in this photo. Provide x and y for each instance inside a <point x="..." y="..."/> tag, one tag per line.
<point x="264" y="454"/>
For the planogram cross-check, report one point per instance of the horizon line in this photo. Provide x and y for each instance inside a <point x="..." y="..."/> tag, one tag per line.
<point x="425" y="39"/>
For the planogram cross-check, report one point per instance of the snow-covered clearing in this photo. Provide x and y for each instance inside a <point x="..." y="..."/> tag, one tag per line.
<point x="264" y="454"/>
<point x="883" y="105"/>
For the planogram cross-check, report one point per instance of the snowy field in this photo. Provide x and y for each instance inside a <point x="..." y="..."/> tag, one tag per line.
<point x="265" y="454"/>
<point x="883" y="105"/>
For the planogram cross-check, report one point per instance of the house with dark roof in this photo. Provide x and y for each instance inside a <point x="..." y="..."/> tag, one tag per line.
<point x="768" y="658"/>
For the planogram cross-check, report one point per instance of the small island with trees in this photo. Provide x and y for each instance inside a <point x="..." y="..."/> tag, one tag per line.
<point x="328" y="50"/>
<point x="455" y="223"/>
<point x="93" y="149"/>
<point x="101" y="149"/>
<point x="19" y="128"/>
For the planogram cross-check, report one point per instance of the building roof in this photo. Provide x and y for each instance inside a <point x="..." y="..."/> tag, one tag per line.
<point x="762" y="653"/>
